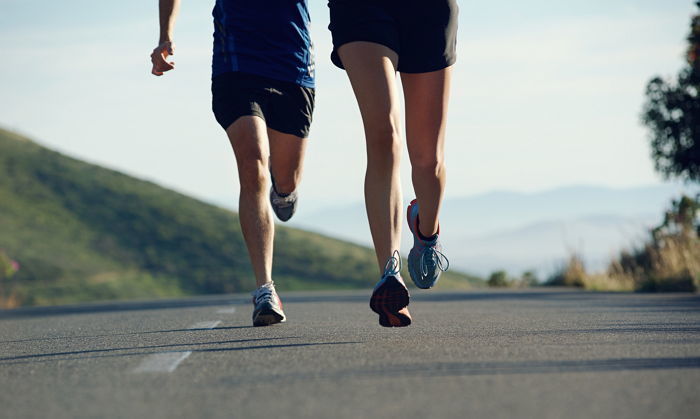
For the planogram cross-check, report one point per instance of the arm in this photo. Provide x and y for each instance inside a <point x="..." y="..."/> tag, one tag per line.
<point x="168" y="12"/>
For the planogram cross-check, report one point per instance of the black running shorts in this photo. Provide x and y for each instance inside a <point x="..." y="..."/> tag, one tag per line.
<point x="422" y="32"/>
<point x="285" y="107"/>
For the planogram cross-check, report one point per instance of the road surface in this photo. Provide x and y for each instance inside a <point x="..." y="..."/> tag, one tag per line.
<point x="480" y="354"/>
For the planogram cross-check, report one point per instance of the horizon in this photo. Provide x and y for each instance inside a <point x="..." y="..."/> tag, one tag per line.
<point x="567" y="98"/>
<point x="228" y="203"/>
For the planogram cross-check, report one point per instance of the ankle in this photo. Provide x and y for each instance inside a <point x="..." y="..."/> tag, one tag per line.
<point x="283" y="188"/>
<point x="428" y="237"/>
<point x="260" y="284"/>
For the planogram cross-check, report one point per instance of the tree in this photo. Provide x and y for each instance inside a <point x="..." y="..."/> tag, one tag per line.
<point x="672" y="113"/>
<point x="529" y="279"/>
<point x="681" y="220"/>
<point x="499" y="279"/>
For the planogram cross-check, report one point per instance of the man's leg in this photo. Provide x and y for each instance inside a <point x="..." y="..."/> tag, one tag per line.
<point x="248" y="137"/>
<point x="371" y="68"/>
<point x="286" y="160"/>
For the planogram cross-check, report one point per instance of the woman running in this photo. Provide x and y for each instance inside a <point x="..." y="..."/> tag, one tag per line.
<point x="372" y="41"/>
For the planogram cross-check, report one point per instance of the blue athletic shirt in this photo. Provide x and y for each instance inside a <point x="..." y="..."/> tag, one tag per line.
<point x="268" y="38"/>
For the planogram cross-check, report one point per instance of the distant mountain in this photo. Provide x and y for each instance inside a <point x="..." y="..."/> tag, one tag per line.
<point x="542" y="246"/>
<point x="82" y="232"/>
<point x="518" y="231"/>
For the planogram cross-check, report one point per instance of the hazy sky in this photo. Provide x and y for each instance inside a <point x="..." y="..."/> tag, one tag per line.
<point x="545" y="94"/>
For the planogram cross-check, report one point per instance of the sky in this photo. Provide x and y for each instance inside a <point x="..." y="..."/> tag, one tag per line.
<point x="545" y="94"/>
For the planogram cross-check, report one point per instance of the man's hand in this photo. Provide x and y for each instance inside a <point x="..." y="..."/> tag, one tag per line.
<point x="158" y="58"/>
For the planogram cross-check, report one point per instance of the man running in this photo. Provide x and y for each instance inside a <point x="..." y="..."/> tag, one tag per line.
<point x="263" y="97"/>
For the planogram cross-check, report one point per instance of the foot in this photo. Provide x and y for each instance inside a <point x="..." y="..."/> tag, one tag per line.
<point x="425" y="260"/>
<point x="390" y="296"/>
<point x="268" y="306"/>
<point x="283" y="205"/>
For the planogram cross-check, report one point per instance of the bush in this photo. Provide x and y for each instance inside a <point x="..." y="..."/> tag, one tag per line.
<point x="499" y="279"/>
<point x="570" y="274"/>
<point x="529" y="279"/>
<point x="668" y="261"/>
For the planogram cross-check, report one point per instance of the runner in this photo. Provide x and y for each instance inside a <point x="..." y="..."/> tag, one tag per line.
<point x="372" y="40"/>
<point x="263" y="97"/>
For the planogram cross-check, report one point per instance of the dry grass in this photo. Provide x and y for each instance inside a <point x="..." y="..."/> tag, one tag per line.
<point x="604" y="282"/>
<point x="669" y="261"/>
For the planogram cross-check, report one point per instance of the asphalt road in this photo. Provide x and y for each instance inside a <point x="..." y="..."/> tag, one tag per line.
<point x="482" y="354"/>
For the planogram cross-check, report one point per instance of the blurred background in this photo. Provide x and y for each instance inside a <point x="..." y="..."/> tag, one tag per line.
<point x="550" y="164"/>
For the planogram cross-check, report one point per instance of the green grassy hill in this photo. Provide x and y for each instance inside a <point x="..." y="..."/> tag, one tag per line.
<point x="81" y="232"/>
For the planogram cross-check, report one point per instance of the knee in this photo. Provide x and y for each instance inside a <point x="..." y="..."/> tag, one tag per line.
<point x="252" y="175"/>
<point x="247" y="137"/>
<point x="383" y="143"/>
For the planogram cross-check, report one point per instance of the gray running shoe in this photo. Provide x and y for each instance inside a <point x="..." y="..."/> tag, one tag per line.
<point x="425" y="260"/>
<point x="283" y="206"/>
<point x="268" y="306"/>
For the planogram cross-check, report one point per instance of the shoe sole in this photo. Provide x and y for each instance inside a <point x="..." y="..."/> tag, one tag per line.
<point x="413" y="233"/>
<point x="390" y="300"/>
<point x="408" y="215"/>
<point x="283" y="217"/>
<point x="267" y="318"/>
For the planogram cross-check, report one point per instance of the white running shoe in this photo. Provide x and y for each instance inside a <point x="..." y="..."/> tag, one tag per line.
<point x="268" y="306"/>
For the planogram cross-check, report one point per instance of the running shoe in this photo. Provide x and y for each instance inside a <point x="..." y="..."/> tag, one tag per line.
<point x="390" y="296"/>
<point x="268" y="306"/>
<point x="283" y="205"/>
<point x="425" y="260"/>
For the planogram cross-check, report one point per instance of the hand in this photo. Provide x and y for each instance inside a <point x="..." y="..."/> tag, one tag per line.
<point x="158" y="58"/>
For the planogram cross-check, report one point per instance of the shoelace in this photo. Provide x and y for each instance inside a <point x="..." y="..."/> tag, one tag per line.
<point x="432" y="256"/>
<point x="393" y="264"/>
<point x="284" y="201"/>
<point x="263" y="294"/>
<point x="281" y="201"/>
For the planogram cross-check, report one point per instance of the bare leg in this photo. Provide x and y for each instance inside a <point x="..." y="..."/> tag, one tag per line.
<point x="426" y="96"/>
<point x="286" y="159"/>
<point x="248" y="138"/>
<point x="372" y="71"/>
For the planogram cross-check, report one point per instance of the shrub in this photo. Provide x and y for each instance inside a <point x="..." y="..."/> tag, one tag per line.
<point x="668" y="261"/>
<point x="529" y="279"/>
<point x="499" y="279"/>
<point x="570" y="274"/>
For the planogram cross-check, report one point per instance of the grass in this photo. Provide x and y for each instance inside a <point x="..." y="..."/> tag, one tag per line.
<point x="81" y="233"/>
<point x="668" y="262"/>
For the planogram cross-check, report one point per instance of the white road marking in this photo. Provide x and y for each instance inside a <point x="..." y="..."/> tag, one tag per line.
<point x="205" y="325"/>
<point x="162" y="362"/>
<point x="168" y="361"/>
<point x="229" y="310"/>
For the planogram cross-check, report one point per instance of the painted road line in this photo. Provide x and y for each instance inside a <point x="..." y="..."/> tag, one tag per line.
<point x="229" y="310"/>
<point x="205" y="325"/>
<point x="168" y="361"/>
<point x="162" y="362"/>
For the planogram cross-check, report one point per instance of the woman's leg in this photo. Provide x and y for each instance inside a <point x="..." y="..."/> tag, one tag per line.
<point x="371" y="68"/>
<point x="426" y="96"/>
